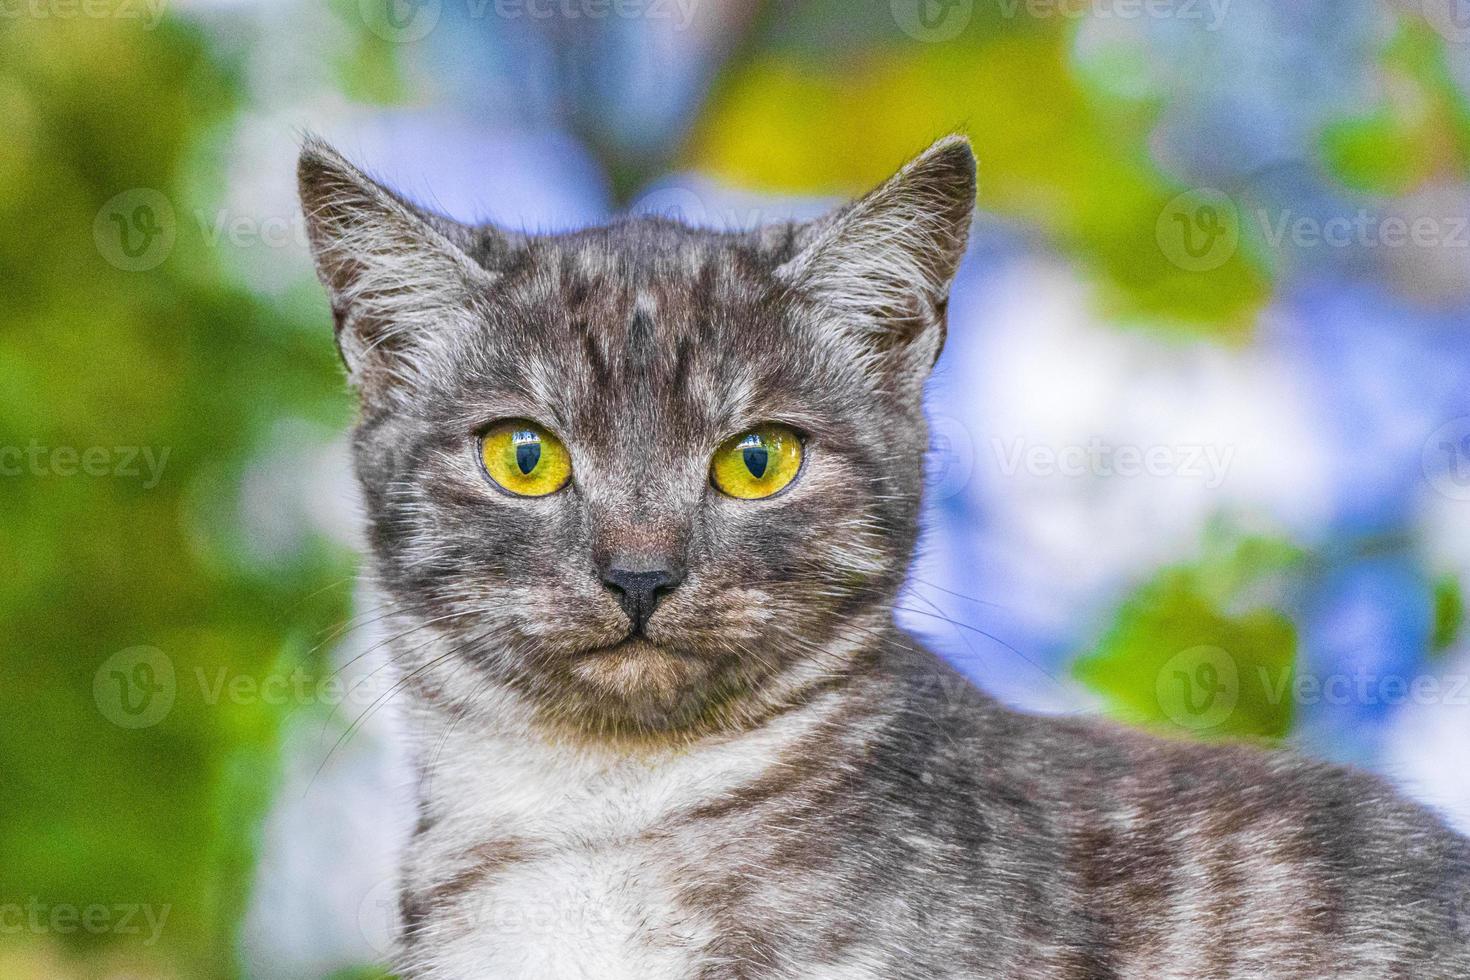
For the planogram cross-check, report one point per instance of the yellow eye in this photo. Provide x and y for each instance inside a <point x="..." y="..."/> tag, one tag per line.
<point x="525" y="459"/>
<point x="757" y="463"/>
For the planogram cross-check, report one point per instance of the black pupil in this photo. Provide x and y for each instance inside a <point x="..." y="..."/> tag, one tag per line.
<point x="757" y="458"/>
<point x="528" y="451"/>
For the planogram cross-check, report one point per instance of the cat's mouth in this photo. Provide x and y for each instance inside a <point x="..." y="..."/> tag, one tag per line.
<point x="632" y="645"/>
<point x="635" y="667"/>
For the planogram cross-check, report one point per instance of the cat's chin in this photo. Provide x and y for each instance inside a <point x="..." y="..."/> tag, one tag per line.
<point x="631" y="645"/>
<point x="637" y="668"/>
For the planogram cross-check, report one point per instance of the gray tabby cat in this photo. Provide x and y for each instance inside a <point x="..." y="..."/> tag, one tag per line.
<point x="640" y="499"/>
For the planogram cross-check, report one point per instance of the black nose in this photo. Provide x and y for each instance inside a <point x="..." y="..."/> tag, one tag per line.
<point x="639" y="591"/>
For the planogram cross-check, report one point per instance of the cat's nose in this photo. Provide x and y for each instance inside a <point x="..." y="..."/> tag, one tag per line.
<point x="640" y="589"/>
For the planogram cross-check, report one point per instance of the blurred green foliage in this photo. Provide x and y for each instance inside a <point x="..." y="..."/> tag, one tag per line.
<point x="1449" y="613"/>
<point x="1077" y="169"/>
<point x="174" y="361"/>
<point x="164" y="361"/>
<point x="1204" y="650"/>
<point x="361" y="973"/>
<point x="1418" y="130"/>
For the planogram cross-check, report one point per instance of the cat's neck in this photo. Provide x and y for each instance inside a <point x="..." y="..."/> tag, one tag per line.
<point x="493" y="764"/>
<point x="525" y="781"/>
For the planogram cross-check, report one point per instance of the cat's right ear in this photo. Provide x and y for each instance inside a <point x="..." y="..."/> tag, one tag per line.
<point x="884" y="264"/>
<point x="398" y="282"/>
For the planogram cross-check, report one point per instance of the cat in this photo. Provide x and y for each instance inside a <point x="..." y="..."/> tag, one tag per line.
<point x="640" y="499"/>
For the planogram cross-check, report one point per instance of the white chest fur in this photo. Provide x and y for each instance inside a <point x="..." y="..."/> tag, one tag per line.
<point x="554" y="862"/>
<point x="605" y="913"/>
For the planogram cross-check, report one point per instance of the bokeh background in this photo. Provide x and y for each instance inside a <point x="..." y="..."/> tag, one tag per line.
<point x="1201" y="437"/>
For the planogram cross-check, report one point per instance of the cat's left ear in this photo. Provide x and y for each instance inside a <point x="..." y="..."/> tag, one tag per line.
<point x="400" y="278"/>
<point x="884" y="264"/>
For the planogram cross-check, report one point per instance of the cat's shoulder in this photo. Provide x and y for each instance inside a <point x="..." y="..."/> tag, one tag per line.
<point x="949" y="729"/>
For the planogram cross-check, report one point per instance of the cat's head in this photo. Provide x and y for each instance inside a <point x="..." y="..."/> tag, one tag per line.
<point x="648" y="477"/>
